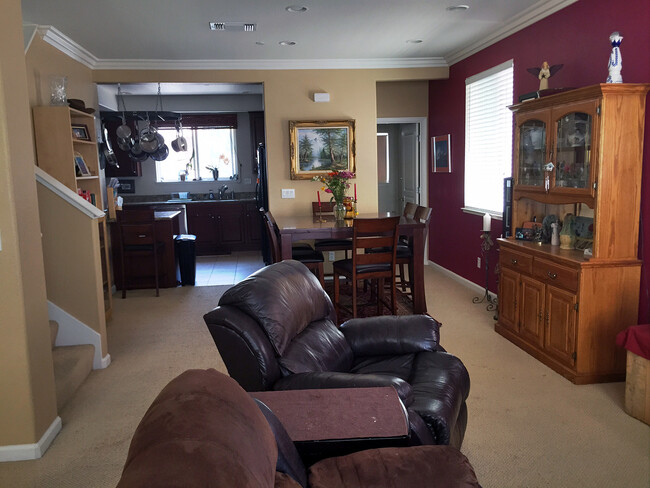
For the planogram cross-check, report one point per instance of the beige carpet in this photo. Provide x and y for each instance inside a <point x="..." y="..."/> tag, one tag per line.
<point x="528" y="426"/>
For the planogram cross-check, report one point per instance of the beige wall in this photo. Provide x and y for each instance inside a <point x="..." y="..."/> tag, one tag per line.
<point x="287" y="96"/>
<point x="28" y="405"/>
<point x="72" y="261"/>
<point x="403" y="99"/>
<point x="44" y="61"/>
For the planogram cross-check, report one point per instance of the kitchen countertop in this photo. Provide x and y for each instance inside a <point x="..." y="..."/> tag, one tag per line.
<point x="186" y="202"/>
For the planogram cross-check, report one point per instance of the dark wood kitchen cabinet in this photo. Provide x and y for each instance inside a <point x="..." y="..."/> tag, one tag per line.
<point x="253" y="226"/>
<point x="224" y="227"/>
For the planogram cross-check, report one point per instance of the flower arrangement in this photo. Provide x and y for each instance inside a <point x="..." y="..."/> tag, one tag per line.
<point x="335" y="183"/>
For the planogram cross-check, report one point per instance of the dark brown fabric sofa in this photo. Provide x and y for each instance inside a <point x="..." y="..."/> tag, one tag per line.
<point x="204" y="430"/>
<point x="276" y="330"/>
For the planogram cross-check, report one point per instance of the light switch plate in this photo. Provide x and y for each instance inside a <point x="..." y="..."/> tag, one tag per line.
<point x="288" y="193"/>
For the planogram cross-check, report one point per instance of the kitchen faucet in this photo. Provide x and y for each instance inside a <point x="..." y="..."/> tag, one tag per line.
<point x="222" y="190"/>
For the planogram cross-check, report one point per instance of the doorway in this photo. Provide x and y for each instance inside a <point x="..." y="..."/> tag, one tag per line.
<point x="401" y="163"/>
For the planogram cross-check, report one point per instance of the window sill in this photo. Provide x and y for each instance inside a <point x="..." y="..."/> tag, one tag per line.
<point x="481" y="212"/>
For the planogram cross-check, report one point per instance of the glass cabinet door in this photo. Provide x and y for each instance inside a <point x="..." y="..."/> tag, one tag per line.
<point x="532" y="153"/>
<point x="573" y="147"/>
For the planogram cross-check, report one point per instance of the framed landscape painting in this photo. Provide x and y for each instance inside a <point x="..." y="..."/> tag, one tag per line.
<point x="318" y="147"/>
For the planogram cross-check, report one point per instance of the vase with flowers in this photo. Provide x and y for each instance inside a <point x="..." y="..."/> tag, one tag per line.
<point x="336" y="183"/>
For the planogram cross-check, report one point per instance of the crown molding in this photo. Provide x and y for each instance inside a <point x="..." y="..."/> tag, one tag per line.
<point x="63" y="43"/>
<point x="517" y="23"/>
<point x="77" y="52"/>
<point x="268" y="64"/>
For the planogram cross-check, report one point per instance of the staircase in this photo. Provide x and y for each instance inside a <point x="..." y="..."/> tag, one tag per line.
<point x="72" y="365"/>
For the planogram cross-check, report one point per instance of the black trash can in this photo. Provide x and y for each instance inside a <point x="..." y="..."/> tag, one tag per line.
<point x="186" y="255"/>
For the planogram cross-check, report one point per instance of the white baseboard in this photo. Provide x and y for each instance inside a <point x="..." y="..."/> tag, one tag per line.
<point x="464" y="281"/>
<point x="73" y="332"/>
<point x="106" y="361"/>
<point x="25" y="452"/>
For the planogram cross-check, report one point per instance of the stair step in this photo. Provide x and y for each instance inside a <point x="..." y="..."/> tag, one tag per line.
<point x="54" y="330"/>
<point x="72" y="365"/>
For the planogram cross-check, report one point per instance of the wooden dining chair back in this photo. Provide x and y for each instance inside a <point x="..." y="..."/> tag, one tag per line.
<point x="137" y="237"/>
<point x="312" y="259"/>
<point x="409" y="209"/>
<point x="269" y="225"/>
<point x="381" y="235"/>
<point x="327" y="209"/>
<point x="405" y="256"/>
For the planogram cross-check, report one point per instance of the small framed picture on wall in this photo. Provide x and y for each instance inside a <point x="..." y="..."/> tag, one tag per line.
<point x="441" y="154"/>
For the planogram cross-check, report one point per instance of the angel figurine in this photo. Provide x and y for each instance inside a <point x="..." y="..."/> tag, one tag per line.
<point x="544" y="73"/>
<point x="615" y="64"/>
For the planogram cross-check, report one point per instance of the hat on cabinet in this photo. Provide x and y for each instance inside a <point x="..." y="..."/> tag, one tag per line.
<point x="80" y="105"/>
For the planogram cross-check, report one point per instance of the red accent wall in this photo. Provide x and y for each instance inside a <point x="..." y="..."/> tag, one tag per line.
<point x="578" y="37"/>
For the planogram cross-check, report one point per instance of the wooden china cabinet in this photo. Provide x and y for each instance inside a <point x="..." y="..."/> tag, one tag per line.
<point x="577" y="152"/>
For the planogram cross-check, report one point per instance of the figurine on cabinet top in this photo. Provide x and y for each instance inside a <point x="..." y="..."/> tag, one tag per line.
<point x="568" y="233"/>
<point x="544" y="73"/>
<point x="615" y="64"/>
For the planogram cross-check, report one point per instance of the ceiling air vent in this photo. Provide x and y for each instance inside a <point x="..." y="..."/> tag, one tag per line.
<point x="233" y="26"/>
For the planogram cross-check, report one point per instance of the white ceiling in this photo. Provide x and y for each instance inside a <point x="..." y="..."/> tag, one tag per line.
<point x="331" y="33"/>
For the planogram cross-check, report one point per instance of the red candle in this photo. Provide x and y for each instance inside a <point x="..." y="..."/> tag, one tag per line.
<point x="318" y="198"/>
<point x="355" y="192"/>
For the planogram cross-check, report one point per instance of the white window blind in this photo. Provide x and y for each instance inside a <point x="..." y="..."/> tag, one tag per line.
<point x="488" y="137"/>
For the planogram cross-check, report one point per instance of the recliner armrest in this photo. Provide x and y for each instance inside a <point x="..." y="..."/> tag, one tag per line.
<point x="392" y="335"/>
<point x="327" y="379"/>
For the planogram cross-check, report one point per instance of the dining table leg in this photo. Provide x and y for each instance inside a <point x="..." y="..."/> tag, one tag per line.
<point x="285" y="246"/>
<point x="419" y="298"/>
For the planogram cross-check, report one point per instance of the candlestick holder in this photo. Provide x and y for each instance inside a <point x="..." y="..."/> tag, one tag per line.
<point x="320" y="214"/>
<point x="486" y="245"/>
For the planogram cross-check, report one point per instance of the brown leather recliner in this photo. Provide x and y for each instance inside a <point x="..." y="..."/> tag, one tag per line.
<point x="276" y="330"/>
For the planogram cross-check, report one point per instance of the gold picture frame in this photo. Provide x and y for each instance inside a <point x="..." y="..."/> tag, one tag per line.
<point x="319" y="147"/>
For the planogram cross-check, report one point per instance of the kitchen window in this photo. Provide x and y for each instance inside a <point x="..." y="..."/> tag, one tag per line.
<point x="488" y="138"/>
<point x="211" y="150"/>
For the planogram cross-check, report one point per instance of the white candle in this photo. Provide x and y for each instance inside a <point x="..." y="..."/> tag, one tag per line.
<point x="487" y="221"/>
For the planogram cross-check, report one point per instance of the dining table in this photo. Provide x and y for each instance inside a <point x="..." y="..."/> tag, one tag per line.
<point x="298" y="228"/>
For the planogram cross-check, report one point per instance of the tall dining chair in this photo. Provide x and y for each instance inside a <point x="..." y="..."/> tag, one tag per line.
<point x="312" y="259"/>
<point x="405" y="255"/>
<point x="379" y="234"/>
<point x="327" y="208"/>
<point x="137" y="237"/>
<point x="409" y="209"/>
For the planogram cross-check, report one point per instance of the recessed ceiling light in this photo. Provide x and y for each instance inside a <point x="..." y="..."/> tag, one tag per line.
<point x="296" y="9"/>
<point x="458" y="7"/>
<point x="287" y="43"/>
<point x="414" y="41"/>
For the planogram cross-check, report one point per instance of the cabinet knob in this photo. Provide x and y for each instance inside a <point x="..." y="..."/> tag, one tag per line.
<point x="513" y="261"/>
<point x="551" y="275"/>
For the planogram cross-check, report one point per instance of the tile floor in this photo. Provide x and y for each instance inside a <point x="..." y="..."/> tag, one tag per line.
<point x="226" y="269"/>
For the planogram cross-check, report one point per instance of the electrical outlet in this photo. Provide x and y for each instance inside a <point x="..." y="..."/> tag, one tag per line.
<point x="288" y="193"/>
<point x="331" y="256"/>
<point x="478" y="263"/>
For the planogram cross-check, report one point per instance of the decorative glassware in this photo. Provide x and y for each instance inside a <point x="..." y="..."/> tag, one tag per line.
<point x="58" y="95"/>
<point x="339" y="211"/>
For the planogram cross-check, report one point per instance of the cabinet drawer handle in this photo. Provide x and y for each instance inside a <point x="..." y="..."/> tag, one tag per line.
<point x="513" y="261"/>
<point x="142" y="235"/>
<point x="551" y="275"/>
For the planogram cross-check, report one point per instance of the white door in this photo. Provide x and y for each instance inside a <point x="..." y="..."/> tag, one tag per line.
<point x="410" y="157"/>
